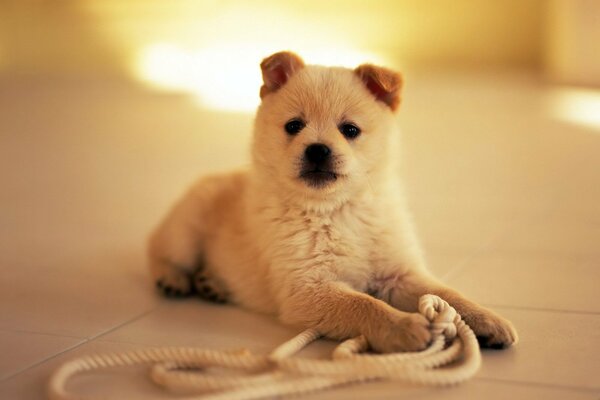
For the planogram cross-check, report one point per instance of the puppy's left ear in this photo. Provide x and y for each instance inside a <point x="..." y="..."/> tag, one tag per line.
<point x="383" y="83"/>
<point x="277" y="69"/>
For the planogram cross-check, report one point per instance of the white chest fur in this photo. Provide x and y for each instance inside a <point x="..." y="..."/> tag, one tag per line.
<point x="304" y="246"/>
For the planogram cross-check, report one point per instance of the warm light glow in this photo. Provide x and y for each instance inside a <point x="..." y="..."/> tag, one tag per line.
<point x="579" y="106"/>
<point x="217" y="59"/>
<point x="226" y="76"/>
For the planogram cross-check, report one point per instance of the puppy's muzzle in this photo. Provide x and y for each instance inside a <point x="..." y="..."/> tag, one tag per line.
<point x="317" y="167"/>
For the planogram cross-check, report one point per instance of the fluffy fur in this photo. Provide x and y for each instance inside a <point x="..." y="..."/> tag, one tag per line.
<point x="339" y="256"/>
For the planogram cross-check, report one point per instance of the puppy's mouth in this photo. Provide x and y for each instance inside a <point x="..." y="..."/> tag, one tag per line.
<point x="318" y="177"/>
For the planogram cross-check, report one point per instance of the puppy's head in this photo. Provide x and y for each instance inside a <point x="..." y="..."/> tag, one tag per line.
<point x="324" y="131"/>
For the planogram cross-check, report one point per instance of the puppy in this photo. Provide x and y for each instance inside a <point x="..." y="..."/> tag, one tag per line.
<point x="316" y="231"/>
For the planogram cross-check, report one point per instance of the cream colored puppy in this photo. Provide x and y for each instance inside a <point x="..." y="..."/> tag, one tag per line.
<point x="316" y="231"/>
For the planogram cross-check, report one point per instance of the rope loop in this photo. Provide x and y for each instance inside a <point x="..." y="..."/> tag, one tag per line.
<point x="183" y="369"/>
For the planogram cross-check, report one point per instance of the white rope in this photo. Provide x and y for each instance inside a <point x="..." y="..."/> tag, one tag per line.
<point x="246" y="376"/>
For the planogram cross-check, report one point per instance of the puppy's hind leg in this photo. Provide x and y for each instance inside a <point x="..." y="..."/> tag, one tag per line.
<point x="175" y="247"/>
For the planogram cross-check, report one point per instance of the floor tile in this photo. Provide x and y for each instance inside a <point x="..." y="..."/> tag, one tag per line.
<point x="530" y="281"/>
<point x="468" y="235"/>
<point x="75" y="300"/>
<point x="20" y="350"/>
<point x="476" y="389"/>
<point x="192" y="322"/>
<point x="32" y="384"/>
<point x="556" y="349"/>
<point x="558" y="237"/>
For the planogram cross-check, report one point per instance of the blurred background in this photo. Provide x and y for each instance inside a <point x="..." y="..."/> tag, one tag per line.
<point x="210" y="48"/>
<point x="109" y="109"/>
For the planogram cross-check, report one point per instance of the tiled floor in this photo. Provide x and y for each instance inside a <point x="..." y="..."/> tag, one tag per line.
<point x="506" y="200"/>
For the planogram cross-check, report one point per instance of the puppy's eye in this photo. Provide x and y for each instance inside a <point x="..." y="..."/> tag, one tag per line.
<point x="294" y="126"/>
<point x="350" y="131"/>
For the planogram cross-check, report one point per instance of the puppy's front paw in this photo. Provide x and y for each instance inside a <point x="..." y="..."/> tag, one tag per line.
<point x="174" y="283"/>
<point x="492" y="330"/>
<point x="408" y="333"/>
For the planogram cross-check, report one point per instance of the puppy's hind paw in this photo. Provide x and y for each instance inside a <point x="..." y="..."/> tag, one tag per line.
<point x="209" y="288"/>
<point x="174" y="285"/>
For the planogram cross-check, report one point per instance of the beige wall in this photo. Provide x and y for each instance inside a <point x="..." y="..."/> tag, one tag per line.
<point x="573" y="41"/>
<point x="98" y="36"/>
<point x="54" y="36"/>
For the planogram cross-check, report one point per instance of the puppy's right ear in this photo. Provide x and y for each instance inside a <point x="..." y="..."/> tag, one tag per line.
<point x="277" y="69"/>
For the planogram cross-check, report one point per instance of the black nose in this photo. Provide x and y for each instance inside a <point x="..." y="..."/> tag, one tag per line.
<point x="317" y="153"/>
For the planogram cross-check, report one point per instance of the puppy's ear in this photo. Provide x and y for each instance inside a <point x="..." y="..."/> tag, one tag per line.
<point x="383" y="83"/>
<point x="277" y="69"/>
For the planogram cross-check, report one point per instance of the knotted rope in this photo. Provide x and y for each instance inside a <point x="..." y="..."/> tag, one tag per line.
<point x="279" y="374"/>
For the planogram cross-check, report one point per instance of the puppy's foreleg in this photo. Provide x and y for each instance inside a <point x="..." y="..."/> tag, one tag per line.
<point x="338" y="311"/>
<point x="491" y="329"/>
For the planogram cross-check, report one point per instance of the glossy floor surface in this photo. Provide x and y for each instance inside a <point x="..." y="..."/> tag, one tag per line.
<point x="506" y="198"/>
